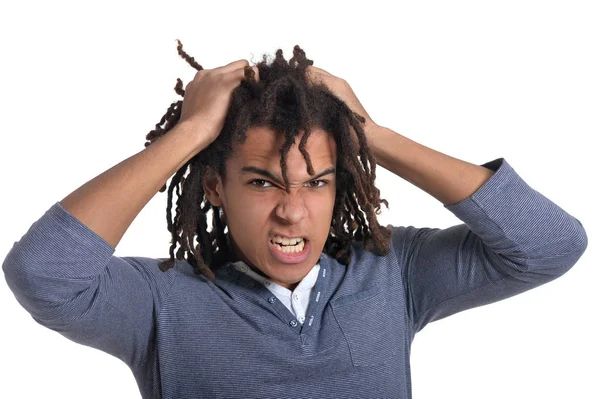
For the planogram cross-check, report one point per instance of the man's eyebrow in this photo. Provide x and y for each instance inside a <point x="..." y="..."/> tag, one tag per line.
<point x="266" y="173"/>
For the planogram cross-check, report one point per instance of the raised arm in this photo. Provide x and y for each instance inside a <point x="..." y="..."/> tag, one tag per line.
<point x="63" y="271"/>
<point x="109" y="203"/>
<point x="513" y="239"/>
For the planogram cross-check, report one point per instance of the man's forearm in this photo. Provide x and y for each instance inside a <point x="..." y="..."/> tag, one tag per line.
<point x="109" y="202"/>
<point x="448" y="179"/>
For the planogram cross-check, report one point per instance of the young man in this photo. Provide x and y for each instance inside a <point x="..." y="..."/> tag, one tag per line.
<point x="298" y="309"/>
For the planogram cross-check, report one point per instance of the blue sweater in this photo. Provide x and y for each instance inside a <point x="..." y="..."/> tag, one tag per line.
<point x="184" y="336"/>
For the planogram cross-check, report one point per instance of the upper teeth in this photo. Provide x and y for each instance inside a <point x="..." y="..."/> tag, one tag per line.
<point x="286" y="241"/>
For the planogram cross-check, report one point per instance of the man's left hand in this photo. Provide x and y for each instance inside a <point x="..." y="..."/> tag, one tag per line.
<point x="341" y="89"/>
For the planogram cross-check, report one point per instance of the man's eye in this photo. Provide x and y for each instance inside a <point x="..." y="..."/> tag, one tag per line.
<point x="259" y="183"/>
<point x="317" y="181"/>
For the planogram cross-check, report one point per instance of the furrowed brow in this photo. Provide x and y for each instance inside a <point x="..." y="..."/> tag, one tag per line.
<point x="262" y="172"/>
<point x="266" y="173"/>
<point x="329" y="171"/>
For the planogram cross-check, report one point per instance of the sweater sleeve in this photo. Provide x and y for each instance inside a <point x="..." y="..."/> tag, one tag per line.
<point x="67" y="278"/>
<point x="513" y="239"/>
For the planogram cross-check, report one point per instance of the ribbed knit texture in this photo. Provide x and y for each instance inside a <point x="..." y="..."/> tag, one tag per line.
<point x="184" y="336"/>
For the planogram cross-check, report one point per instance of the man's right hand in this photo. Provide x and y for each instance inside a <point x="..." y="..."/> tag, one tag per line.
<point x="208" y="95"/>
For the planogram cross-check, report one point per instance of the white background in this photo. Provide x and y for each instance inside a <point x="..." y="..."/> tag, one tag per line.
<point x="82" y="84"/>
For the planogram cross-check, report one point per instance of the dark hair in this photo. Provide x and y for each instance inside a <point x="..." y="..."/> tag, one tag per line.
<point x="287" y="102"/>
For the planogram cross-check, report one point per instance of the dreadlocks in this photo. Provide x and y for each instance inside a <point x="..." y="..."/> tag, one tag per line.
<point x="287" y="102"/>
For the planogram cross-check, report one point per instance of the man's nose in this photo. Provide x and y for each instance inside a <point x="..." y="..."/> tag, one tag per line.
<point x="291" y="208"/>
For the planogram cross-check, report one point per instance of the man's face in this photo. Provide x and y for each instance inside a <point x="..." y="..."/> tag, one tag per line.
<point x="260" y="211"/>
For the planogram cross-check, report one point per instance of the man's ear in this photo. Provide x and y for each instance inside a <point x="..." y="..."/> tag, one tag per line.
<point x="213" y="187"/>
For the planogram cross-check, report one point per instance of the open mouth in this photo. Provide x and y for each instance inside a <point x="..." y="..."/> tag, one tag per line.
<point x="293" y="246"/>
<point x="290" y="250"/>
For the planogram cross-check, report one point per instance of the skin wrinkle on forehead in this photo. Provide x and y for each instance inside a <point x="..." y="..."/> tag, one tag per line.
<point x="259" y="159"/>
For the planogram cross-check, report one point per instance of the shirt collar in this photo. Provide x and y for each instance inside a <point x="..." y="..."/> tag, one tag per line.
<point x="305" y="284"/>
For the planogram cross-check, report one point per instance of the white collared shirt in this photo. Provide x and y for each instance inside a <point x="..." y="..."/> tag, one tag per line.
<point x="296" y="301"/>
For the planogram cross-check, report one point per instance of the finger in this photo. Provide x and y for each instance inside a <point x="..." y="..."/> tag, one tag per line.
<point x="256" y="74"/>
<point x="315" y="75"/>
<point x="240" y="74"/>
<point x="318" y="70"/>
<point x="232" y="66"/>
